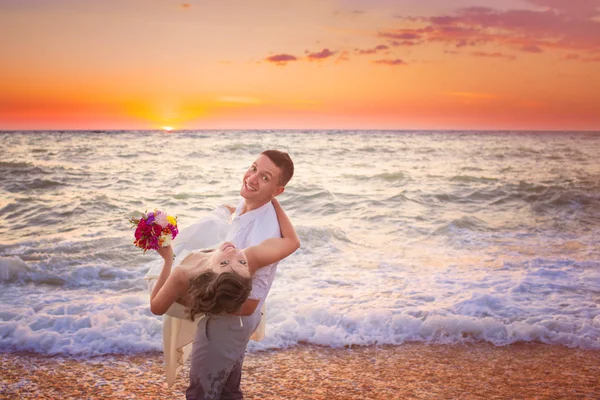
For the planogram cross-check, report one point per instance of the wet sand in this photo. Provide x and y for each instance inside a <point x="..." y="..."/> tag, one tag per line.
<point x="409" y="371"/>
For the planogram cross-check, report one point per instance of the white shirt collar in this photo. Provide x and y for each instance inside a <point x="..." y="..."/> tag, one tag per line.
<point x="249" y="215"/>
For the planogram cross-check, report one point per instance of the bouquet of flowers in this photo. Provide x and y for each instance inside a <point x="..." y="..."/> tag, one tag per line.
<point x="154" y="230"/>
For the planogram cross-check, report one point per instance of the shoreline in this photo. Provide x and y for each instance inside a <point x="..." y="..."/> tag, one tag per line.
<point x="412" y="370"/>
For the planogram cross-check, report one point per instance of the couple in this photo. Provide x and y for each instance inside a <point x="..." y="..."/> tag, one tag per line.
<point x="214" y="299"/>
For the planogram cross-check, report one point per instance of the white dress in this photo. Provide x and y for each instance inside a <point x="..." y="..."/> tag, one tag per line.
<point x="178" y="329"/>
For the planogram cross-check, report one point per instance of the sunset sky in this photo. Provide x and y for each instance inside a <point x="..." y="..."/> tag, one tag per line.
<point x="277" y="64"/>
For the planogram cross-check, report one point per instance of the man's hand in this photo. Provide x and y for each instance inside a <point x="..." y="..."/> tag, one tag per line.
<point x="230" y="208"/>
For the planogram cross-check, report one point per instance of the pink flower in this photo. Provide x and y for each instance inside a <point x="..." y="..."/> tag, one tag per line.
<point x="161" y="219"/>
<point x="152" y="243"/>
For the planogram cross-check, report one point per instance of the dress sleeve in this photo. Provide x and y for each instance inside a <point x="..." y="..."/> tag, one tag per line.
<point x="206" y="233"/>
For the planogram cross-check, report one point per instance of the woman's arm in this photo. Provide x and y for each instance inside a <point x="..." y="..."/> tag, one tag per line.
<point x="274" y="249"/>
<point x="169" y="286"/>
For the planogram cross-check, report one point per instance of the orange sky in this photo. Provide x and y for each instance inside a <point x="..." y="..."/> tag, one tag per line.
<point x="274" y="64"/>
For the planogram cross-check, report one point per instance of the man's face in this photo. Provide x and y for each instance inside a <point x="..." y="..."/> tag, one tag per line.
<point x="261" y="181"/>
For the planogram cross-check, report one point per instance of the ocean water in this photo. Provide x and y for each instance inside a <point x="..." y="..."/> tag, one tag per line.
<point x="442" y="237"/>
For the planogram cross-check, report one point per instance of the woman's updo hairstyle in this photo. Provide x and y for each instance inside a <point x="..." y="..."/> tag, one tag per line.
<point x="218" y="293"/>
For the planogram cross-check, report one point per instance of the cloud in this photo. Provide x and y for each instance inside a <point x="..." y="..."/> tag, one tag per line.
<point x="284" y="58"/>
<point x="395" y="62"/>
<point x="493" y="55"/>
<point x="400" y="34"/>
<point x="372" y="50"/>
<point x="572" y="25"/>
<point x="342" y="57"/>
<point x="350" y="13"/>
<point x="321" y="55"/>
<point x="573" y="57"/>
<point x="573" y="7"/>
<point x="463" y="43"/>
<point x="407" y="43"/>
<point x="530" y="48"/>
<point x="548" y="28"/>
<point x="563" y="24"/>
<point x="281" y="59"/>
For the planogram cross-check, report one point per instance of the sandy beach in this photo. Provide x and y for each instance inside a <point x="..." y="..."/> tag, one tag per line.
<point x="409" y="371"/>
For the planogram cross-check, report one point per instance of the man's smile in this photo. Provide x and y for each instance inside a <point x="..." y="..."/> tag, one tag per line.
<point x="250" y="188"/>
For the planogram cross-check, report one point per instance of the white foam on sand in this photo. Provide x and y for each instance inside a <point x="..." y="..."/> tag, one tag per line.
<point x="69" y="322"/>
<point x="328" y="304"/>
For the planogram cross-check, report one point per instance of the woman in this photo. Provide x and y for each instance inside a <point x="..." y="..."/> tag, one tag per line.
<point x="218" y="280"/>
<point x="208" y="281"/>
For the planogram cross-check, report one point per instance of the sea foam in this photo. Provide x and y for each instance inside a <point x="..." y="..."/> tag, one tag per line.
<point x="441" y="237"/>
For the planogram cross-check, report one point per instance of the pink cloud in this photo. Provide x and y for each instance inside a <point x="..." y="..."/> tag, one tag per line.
<point x="573" y="57"/>
<point x="541" y="28"/>
<point x="463" y="43"/>
<point x="407" y="43"/>
<point x="575" y="7"/>
<point x="492" y="33"/>
<point x="321" y="55"/>
<point x="493" y="55"/>
<point x="563" y="25"/>
<point x="403" y="34"/>
<point x="373" y="50"/>
<point x="530" y="48"/>
<point x="281" y="59"/>
<point x="395" y="62"/>
<point x="342" y="57"/>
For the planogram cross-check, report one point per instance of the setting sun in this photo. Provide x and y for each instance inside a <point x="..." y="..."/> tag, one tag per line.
<point x="167" y="128"/>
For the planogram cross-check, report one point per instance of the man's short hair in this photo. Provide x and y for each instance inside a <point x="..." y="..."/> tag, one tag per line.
<point x="284" y="163"/>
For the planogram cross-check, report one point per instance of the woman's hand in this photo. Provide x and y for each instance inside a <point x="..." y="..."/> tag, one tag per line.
<point x="230" y="208"/>
<point x="166" y="253"/>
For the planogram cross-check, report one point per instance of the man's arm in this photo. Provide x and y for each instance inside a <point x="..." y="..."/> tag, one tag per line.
<point x="272" y="250"/>
<point x="291" y="243"/>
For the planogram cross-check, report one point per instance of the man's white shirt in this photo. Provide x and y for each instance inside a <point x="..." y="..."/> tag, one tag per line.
<point x="251" y="229"/>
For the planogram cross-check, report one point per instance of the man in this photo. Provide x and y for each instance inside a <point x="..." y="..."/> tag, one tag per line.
<point x="220" y="342"/>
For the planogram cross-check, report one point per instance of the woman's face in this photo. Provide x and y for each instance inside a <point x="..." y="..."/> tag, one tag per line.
<point x="227" y="258"/>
